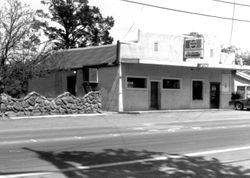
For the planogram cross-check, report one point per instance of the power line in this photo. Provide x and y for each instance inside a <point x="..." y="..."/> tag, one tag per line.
<point x="133" y="24"/>
<point x="232" y="26"/>
<point x="233" y="3"/>
<point x="186" y="12"/>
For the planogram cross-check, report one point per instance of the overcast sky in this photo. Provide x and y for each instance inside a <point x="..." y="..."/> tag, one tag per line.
<point x="156" y="20"/>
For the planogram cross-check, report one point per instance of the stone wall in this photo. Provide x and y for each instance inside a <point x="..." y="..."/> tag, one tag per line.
<point x="66" y="103"/>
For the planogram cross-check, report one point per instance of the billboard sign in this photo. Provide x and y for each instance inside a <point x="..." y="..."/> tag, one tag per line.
<point x="193" y="48"/>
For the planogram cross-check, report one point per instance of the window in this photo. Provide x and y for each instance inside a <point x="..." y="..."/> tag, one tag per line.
<point x="248" y="91"/>
<point x="156" y="46"/>
<point x="171" y="84"/>
<point x="90" y="75"/>
<point x="241" y="91"/>
<point x="93" y="75"/>
<point x="197" y="90"/>
<point x="133" y="82"/>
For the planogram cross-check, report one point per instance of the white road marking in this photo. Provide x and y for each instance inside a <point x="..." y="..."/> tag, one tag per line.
<point x="218" y="151"/>
<point x="14" y="151"/>
<point x="154" y="130"/>
<point x="148" y="124"/>
<point x="78" y="137"/>
<point x="196" y="128"/>
<point x="221" y="127"/>
<point x="33" y="140"/>
<point x="174" y="129"/>
<point x="138" y="128"/>
<point x="25" y="175"/>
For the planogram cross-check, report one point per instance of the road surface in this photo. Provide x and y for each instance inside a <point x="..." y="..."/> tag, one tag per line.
<point x="137" y="145"/>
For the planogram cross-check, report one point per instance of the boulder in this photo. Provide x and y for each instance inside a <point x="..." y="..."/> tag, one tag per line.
<point x="37" y="104"/>
<point x="25" y="104"/>
<point x="58" y="101"/>
<point x="3" y="107"/>
<point x="18" y="106"/>
<point x="32" y="101"/>
<point x="39" y="100"/>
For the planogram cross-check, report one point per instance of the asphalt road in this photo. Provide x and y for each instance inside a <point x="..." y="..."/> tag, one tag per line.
<point x="125" y="145"/>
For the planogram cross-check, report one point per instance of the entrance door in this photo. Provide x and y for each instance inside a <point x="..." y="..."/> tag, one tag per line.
<point x="214" y="95"/>
<point x="154" y="95"/>
<point x="71" y="84"/>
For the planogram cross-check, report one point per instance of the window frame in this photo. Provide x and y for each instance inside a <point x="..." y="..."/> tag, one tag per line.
<point x="140" y="77"/>
<point x="171" y="78"/>
<point x="86" y="74"/>
<point x="203" y="89"/>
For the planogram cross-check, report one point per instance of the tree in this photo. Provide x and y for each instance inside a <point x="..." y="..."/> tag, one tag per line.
<point x="75" y="24"/>
<point x="240" y="55"/>
<point x="230" y="49"/>
<point x="20" y="46"/>
<point x="245" y="56"/>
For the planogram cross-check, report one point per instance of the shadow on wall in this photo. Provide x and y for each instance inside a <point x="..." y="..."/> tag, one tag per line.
<point x="177" y="166"/>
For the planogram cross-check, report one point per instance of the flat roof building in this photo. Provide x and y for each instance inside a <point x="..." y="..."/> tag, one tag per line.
<point x="158" y="71"/>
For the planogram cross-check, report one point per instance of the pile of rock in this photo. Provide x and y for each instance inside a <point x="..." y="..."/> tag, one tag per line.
<point x="66" y="103"/>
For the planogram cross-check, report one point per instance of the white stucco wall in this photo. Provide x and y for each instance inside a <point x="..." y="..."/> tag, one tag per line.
<point x="139" y="99"/>
<point x="170" y="49"/>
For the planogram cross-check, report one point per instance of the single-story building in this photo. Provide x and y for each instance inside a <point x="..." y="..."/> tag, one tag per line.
<point x="158" y="71"/>
<point x="242" y="84"/>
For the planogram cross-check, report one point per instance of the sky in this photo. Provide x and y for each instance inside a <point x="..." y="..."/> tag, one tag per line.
<point x="130" y="17"/>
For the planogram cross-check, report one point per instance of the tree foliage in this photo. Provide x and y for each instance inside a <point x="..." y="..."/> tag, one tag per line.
<point x="195" y="34"/>
<point x="240" y="54"/>
<point x="15" y="21"/>
<point x="75" y="24"/>
<point x="20" y="46"/>
<point x="230" y="49"/>
<point x="245" y="56"/>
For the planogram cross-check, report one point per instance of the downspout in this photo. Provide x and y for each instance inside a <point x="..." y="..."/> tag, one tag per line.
<point x="120" y="90"/>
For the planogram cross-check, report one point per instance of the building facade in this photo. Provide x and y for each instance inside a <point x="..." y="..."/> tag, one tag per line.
<point x="155" y="72"/>
<point x="242" y="84"/>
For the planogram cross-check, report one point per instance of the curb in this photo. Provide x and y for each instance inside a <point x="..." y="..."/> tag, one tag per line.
<point x="111" y="113"/>
<point x="172" y="111"/>
<point x="54" y="116"/>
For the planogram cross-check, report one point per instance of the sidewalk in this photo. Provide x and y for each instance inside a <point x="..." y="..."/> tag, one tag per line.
<point x="111" y="119"/>
<point x="113" y="113"/>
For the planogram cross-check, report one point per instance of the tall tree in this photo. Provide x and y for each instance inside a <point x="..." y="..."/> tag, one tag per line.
<point x="20" y="46"/>
<point x="75" y="24"/>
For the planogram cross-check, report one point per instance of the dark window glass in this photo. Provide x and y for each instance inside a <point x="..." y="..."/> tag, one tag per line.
<point x="133" y="82"/>
<point x="85" y="72"/>
<point x="197" y="90"/>
<point x="241" y="91"/>
<point x="90" y="75"/>
<point x="171" y="84"/>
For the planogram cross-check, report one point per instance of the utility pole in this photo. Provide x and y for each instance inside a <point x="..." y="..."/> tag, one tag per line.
<point x="232" y="25"/>
<point x="120" y="90"/>
<point x="1" y="91"/>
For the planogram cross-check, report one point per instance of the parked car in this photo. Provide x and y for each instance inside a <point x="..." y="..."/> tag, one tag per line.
<point x="240" y="104"/>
